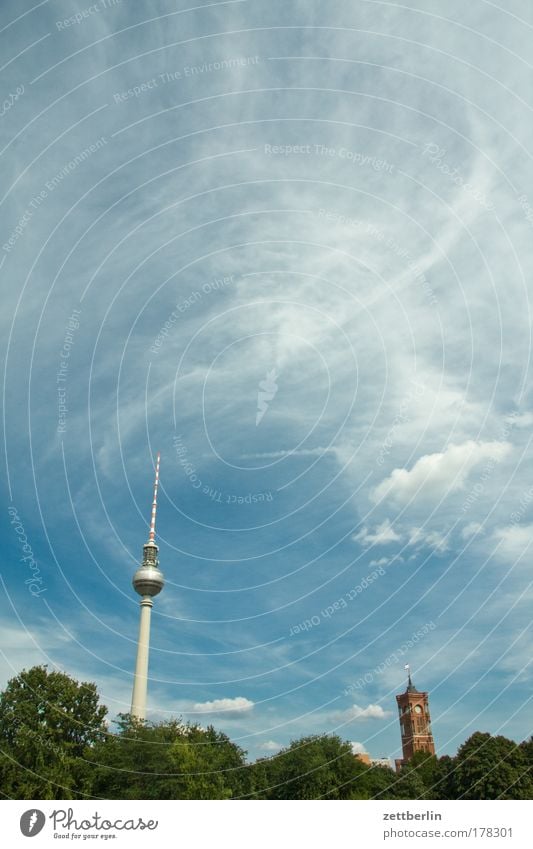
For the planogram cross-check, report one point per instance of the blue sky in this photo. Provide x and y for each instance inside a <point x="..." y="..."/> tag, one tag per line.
<point x="288" y="245"/>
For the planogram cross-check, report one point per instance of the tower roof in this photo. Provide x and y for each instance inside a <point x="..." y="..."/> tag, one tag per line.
<point x="410" y="686"/>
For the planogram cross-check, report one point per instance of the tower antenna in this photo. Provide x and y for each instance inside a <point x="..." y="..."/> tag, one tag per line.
<point x="151" y="536"/>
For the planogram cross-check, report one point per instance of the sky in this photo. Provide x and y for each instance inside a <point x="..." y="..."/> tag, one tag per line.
<point x="287" y="245"/>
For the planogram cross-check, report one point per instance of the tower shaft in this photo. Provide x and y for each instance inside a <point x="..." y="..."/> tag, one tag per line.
<point x="140" y="682"/>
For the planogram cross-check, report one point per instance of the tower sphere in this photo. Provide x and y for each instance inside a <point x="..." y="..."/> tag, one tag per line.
<point x="148" y="580"/>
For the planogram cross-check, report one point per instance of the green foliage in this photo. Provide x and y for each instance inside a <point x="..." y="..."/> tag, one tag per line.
<point x="527" y="751"/>
<point x="46" y="721"/>
<point x="491" y="768"/>
<point x="54" y="745"/>
<point x="323" y="767"/>
<point x="168" y="760"/>
<point x="420" y="778"/>
<point x="316" y="767"/>
<point x="383" y="783"/>
<point x="439" y="780"/>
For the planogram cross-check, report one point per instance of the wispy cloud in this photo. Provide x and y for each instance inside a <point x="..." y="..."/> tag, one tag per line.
<point x="298" y="452"/>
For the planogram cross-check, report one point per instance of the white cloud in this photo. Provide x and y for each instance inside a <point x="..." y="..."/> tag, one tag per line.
<point x="434" y="475"/>
<point x="270" y="746"/>
<point x="356" y="713"/>
<point x="357" y="748"/>
<point x="471" y="530"/>
<point x="382" y="535"/>
<point x="383" y="561"/>
<point x="432" y="539"/>
<point x="386" y="561"/>
<point x="513" y="541"/>
<point x="230" y="708"/>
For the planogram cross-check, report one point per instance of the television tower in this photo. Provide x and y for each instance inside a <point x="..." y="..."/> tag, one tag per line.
<point x="148" y="581"/>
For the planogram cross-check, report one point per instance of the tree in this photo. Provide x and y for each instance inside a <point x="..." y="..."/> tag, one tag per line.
<point x="167" y="760"/>
<point x="489" y="767"/>
<point x="384" y="783"/>
<point x="46" y="721"/>
<point x="527" y="750"/>
<point x="442" y="783"/>
<point x="420" y="778"/>
<point x="315" y="767"/>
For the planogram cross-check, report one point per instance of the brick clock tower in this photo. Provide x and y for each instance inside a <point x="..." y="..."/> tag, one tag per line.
<point x="415" y="723"/>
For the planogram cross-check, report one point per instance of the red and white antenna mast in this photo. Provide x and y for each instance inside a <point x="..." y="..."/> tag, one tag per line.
<point x="151" y="536"/>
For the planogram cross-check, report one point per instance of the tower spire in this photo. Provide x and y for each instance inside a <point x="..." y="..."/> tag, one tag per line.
<point x="151" y="536"/>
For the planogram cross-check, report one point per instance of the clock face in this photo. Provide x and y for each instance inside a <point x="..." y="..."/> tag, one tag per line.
<point x="418" y="709"/>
